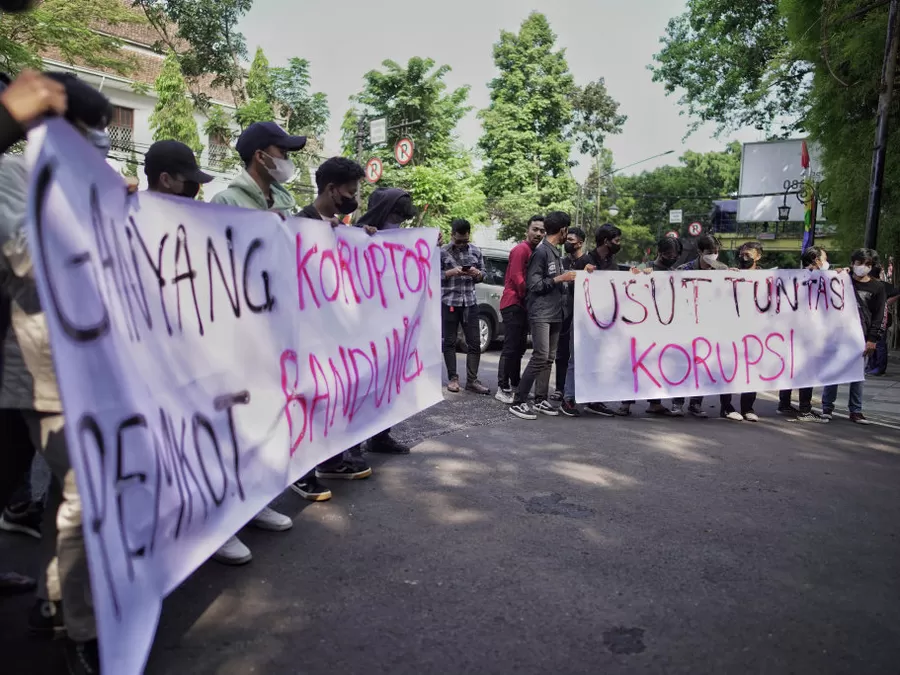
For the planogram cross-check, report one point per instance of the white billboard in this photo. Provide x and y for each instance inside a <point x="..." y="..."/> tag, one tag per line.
<point x="773" y="168"/>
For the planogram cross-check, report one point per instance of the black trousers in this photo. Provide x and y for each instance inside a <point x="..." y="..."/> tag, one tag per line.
<point x="515" y="342"/>
<point x="747" y="401"/>
<point x="16" y="456"/>
<point x="563" y="350"/>
<point x="806" y="394"/>
<point x="451" y="318"/>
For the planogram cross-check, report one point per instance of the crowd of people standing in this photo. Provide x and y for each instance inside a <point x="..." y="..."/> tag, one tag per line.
<point x="538" y="300"/>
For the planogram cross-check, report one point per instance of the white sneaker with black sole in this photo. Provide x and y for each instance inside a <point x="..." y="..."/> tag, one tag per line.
<point x="505" y="396"/>
<point x="546" y="408"/>
<point x="524" y="411"/>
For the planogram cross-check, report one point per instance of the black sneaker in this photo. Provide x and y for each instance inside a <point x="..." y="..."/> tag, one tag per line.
<point x="789" y="411"/>
<point x="24" y="521"/>
<point x="83" y="658"/>
<point x="697" y="411"/>
<point x="569" y="409"/>
<point x="46" y="619"/>
<point x="310" y="488"/>
<point x="345" y="471"/>
<point x="556" y="396"/>
<point x="385" y="444"/>
<point x="524" y="411"/>
<point x="600" y="409"/>
<point x="810" y="416"/>
<point x="546" y="408"/>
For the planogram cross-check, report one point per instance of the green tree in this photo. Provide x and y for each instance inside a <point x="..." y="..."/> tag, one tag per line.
<point x="60" y="27"/>
<point x="596" y="115"/>
<point x="259" y="79"/>
<point x="204" y="34"/>
<point x="843" y="101"/>
<point x="173" y="116"/>
<point x="525" y="140"/>
<point x="304" y="112"/>
<point x="732" y="64"/>
<point x="416" y="93"/>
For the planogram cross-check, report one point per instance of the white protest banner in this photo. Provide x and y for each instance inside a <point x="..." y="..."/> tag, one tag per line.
<point x="682" y="334"/>
<point x="207" y="357"/>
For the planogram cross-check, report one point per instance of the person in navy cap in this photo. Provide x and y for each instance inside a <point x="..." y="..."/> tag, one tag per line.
<point x="172" y="169"/>
<point x="264" y="148"/>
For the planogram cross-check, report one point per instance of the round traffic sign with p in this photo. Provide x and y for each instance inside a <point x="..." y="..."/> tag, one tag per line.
<point x="403" y="151"/>
<point x="695" y="229"/>
<point x="672" y="234"/>
<point x="374" y="169"/>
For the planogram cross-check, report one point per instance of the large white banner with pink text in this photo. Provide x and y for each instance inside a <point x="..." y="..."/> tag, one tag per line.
<point x="682" y="334"/>
<point x="207" y="357"/>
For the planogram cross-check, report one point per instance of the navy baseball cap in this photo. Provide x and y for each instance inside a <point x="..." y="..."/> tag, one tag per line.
<point x="173" y="157"/>
<point x="260" y="135"/>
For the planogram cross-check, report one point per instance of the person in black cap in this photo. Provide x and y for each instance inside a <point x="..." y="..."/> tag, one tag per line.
<point x="172" y="169"/>
<point x="264" y="148"/>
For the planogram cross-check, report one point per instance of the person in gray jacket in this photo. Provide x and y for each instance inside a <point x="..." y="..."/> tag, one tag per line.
<point x="546" y="301"/>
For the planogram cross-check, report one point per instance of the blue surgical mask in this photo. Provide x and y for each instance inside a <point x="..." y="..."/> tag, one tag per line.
<point x="99" y="138"/>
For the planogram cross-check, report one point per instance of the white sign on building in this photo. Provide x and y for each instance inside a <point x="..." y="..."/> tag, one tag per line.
<point x="773" y="168"/>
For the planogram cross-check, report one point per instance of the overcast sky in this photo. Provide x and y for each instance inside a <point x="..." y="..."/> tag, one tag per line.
<point x="615" y="39"/>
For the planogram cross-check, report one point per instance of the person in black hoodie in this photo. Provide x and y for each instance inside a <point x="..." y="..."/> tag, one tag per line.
<point x="871" y="299"/>
<point x="546" y="302"/>
<point x="388" y="208"/>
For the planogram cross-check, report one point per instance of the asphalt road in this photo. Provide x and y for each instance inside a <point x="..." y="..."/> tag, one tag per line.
<point x="634" y="545"/>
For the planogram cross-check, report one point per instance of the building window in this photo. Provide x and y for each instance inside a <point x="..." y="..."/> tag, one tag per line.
<point x="218" y="151"/>
<point x="121" y="129"/>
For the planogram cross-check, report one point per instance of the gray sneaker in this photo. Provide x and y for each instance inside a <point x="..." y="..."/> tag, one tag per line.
<point x="546" y="408"/>
<point x="524" y="411"/>
<point x="505" y="396"/>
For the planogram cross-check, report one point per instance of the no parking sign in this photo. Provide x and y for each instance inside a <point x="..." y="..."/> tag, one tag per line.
<point x="403" y="151"/>
<point x="695" y="229"/>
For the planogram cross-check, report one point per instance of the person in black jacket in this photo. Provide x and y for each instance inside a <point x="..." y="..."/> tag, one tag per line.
<point x="870" y="297"/>
<point x="574" y="248"/>
<point x="546" y="301"/>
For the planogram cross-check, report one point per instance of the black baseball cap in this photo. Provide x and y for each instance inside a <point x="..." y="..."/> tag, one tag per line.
<point x="260" y="135"/>
<point x="173" y="157"/>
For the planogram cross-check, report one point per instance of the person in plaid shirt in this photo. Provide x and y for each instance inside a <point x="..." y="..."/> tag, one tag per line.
<point x="462" y="266"/>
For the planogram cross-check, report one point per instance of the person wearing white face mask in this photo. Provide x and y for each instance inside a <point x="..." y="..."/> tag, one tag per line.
<point x="264" y="148"/>
<point x="814" y="259"/>
<point x="871" y="299"/>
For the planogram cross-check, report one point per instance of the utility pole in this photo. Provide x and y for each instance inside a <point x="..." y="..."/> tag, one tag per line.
<point x="889" y="67"/>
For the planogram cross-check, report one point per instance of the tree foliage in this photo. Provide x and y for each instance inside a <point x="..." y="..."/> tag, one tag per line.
<point x="205" y="35"/>
<point x="304" y="112"/>
<point x="843" y="103"/>
<point x="526" y="143"/>
<point x="733" y="66"/>
<point x="415" y="93"/>
<point x="60" y="28"/>
<point x="173" y="116"/>
<point x="596" y="115"/>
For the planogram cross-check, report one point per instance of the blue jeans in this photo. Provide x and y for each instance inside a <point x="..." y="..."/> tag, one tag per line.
<point x="829" y="396"/>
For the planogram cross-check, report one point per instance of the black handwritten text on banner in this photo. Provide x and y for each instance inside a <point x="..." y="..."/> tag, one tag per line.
<point x="207" y="357"/>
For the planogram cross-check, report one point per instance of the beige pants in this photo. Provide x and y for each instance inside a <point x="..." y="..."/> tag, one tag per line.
<point x="63" y="556"/>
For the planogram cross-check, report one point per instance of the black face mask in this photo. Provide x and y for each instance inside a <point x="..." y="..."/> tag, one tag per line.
<point x="615" y="248"/>
<point x="745" y="263"/>
<point x="346" y="205"/>
<point x="667" y="262"/>
<point x="191" y="189"/>
<point x="570" y="247"/>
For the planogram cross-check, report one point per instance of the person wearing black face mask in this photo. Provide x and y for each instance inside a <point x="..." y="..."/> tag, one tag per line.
<point x="574" y="246"/>
<point x="337" y="180"/>
<point x="172" y="169"/>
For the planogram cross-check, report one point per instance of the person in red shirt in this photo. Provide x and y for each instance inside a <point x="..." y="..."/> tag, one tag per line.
<point x="514" y="314"/>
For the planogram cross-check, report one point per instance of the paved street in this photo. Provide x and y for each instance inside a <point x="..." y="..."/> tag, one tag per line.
<point x="636" y="545"/>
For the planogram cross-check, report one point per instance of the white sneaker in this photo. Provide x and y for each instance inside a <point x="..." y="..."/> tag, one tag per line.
<point x="751" y="417"/>
<point x="233" y="552"/>
<point x="734" y="416"/>
<point x="505" y="396"/>
<point x="546" y="408"/>
<point x="677" y="411"/>
<point x="270" y="520"/>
